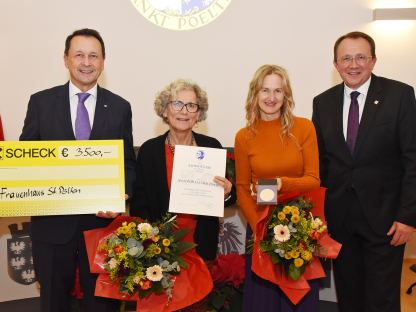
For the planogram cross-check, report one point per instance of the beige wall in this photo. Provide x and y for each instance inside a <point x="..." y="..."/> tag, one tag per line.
<point x="221" y="57"/>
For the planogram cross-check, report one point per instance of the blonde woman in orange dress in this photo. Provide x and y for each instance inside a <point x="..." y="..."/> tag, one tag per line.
<point x="274" y="145"/>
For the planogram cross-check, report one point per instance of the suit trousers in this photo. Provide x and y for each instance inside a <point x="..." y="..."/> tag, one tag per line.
<point x="55" y="267"/>
<point x="368" y="269"/>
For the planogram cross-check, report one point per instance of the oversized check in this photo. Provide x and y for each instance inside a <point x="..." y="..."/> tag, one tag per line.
<point x="193" y="190"/>
<point x="61" y="177"/>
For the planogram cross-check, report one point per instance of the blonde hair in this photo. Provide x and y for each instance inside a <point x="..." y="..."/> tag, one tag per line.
<point x="170" y="91"/>
<point x="252" y="105"/>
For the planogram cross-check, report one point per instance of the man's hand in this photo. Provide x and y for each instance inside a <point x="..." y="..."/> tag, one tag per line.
<point x="110" y="214"/>
<point x="107" y="214"/>
<point x="402" y="233"/>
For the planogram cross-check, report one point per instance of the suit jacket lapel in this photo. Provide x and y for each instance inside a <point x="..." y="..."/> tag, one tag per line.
<point x="63" y="111"/>
<point x="160" y="161"/>
<point x="338" y="105"/>
<point x="100" y="115"/>
<point x="369" y="112"/>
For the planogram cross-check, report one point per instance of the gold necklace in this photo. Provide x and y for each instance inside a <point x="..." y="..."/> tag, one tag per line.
<point x="172" y="147"/>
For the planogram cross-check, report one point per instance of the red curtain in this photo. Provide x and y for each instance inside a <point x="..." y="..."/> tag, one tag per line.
<point x="1" y="131"/>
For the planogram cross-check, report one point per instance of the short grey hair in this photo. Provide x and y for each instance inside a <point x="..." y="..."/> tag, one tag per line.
<point x="170" y="91"/>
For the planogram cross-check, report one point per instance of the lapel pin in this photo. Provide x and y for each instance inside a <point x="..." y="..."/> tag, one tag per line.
<point x="376" y="102"/>
<point x="105" y="105"/>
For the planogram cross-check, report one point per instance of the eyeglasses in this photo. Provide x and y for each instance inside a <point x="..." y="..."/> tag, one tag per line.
<point x="190" y="107"/>
<point x="360" y="59"/>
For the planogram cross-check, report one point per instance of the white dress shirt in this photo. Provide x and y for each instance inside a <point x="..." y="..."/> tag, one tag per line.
<point x="363" y="89"/>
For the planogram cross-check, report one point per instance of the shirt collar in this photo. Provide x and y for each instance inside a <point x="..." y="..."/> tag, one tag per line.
<point x="363" y="89"/>
<point x="74" y="90"/>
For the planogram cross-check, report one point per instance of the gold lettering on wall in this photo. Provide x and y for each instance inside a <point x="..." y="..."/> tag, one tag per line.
<point x="181" y="14"/>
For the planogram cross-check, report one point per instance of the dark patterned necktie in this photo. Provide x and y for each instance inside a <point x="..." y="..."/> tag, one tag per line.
<point x="353" y="121"/>
<point x="82" y="122"/>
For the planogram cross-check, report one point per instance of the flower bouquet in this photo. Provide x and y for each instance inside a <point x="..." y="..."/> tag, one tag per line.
<point x="292" y="236"/>
<point x="150" y="263"/>
<point x="288" y="240"/>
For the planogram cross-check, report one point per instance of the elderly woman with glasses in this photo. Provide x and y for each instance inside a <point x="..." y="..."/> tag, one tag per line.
<point x="181" y="105"/>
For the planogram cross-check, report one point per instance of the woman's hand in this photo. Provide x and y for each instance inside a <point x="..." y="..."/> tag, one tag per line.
<point x="279" y="184"/>
<point x="225" y="183"/>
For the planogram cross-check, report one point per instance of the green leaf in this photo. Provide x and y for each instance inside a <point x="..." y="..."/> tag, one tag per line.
<point x="218" y="301"/>
<point x="264" y="245"/>
<point x="145" y="293"/>
<point x="294" y="272"/>
<point x="179" y="234"/>
<point x="275" y="258"/>
<point x="182" y="262"/>
<point x="184" y="247"/>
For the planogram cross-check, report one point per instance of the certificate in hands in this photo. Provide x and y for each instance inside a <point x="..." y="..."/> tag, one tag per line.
<point x="193" y="190"/>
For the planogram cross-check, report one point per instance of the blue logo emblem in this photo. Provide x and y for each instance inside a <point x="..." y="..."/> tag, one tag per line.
<point x="180" y="7"/>
<point x="200" y="155"/>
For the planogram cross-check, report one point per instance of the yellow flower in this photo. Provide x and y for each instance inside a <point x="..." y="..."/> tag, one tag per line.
<point x="281" y="216"/>
<point x="287" y="256"/>
<point x="167" y="250"/>
<point x="295" y="218"/>
<point x="298" y="262"/>
<point x="137" y="279"/>
<point x="322" y="229"/>
<point x="286" y="209"/>
<point x="295" y="210"/>
<point x="166" y="242"/>
<point x="294" y="254"/>
<point x="158" y="250"/>
<point x="156" y="238"/>
<point x="123" y="256"/>
<point x="125" y="230"/>
<point x="307" y="255"/>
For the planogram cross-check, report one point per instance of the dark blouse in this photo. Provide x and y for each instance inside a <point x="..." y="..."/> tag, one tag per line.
<point x="151" y="192"/>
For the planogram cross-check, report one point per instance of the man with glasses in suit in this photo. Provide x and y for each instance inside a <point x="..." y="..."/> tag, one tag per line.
<point x="366" y="128"/>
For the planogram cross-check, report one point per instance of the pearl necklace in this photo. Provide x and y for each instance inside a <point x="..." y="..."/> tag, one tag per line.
<point x="172" y="147"/>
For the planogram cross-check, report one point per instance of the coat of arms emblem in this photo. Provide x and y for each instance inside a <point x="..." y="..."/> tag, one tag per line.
<point x="19" y="255"/>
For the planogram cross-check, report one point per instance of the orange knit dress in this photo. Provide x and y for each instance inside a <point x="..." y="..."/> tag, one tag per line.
<point x="266" y="155"/>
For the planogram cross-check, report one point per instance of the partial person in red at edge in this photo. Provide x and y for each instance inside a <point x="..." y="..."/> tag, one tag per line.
<point x="82" y="110"/>
<point x="181" y="105"/>
<point x="367" y="146"/>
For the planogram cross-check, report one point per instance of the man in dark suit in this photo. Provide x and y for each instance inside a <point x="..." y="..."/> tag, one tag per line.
<point x="53" y="114"/>
<point x="366" y="129"/>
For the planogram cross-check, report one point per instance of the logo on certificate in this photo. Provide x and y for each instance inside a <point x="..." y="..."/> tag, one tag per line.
<point x="200" y="155"/>
<point x="181" y="14"/>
